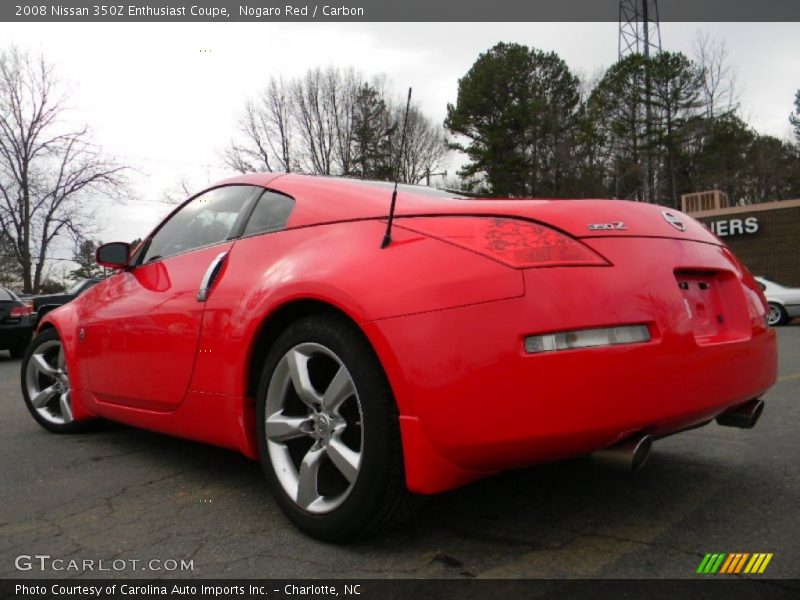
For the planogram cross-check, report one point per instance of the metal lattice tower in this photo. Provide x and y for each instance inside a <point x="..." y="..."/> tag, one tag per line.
<point x="639" y="30"/>
<point x="640" y="33"/>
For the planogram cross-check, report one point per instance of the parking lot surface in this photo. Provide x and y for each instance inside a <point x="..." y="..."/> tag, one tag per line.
<point x="121" y="493"/>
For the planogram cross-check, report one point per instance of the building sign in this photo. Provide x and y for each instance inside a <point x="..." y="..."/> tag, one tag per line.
<point x="728" y="227"/>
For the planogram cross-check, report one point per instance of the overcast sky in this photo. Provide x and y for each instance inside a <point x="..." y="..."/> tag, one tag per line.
<point x="160" y="105"/>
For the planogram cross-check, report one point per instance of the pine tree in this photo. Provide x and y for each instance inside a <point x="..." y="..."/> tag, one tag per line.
<point x="372" y="131"/>
<point x="518" y="107"/>
<point x="84" y="257"/>
<point x="794" y="119"/>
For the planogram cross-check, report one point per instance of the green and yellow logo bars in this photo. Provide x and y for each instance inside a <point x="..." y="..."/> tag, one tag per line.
<point x="736" y="562"/>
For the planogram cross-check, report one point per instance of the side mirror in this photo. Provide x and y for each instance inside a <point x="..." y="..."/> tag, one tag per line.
<point x="114" y="255"/>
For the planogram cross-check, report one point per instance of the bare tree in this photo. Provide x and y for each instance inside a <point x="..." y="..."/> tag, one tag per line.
<point x="315" y="115"/>
<point x="310" y="124"/>
<point x="718" y="76"/>
<point x="343" y="88"/>
<point x="47" y="171"/>
<point x="425" y="148"/>
<point x="179" y="191"/>
<point x="267" y="128"/>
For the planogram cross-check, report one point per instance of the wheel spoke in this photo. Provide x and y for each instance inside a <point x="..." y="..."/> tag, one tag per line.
<point x="60" y="360"/>
<point x="307" y="492"/>
<point x="43" y="366"/>
<point x="345" y="459"/>
<point x="301" y="380"/>
<point x="281" y="428"/>
<point x="339" y="390"/>
<point x="66" y="409"/>
<point x="42" y="398"/>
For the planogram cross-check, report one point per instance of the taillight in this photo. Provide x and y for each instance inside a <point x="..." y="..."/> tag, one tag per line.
<point x="20" y="311"/>
<point x="513" y="242"/>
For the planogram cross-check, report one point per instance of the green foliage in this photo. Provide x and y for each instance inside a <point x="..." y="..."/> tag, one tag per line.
<point x="51" y="286"/>
<point x="645" y="110"/>
<point x="773" y="170"/>
<point x="644" y="132"/>
<point x="794" y="119"/>
<point x="10" y="272"/>
<point x="372" y="131"/>
<point x="717" y="156"/>
<point x="84" y="257"/>
<point x="518" y="107"/>
<point x="724" y="153"/>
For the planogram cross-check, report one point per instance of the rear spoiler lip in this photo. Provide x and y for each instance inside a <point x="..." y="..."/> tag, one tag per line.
<point x="710" y="242"/>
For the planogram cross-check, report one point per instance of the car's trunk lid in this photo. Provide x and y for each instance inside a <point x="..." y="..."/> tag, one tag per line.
<point x="594" y="218"/>
<point x="320" y="203"/>
<point x="5" y="309"/>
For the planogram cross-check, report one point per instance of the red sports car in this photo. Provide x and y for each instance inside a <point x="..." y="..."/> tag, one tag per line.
<point x="265" y="315"/>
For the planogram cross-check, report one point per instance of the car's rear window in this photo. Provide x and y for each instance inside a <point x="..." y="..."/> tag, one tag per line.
<point x="270" y="213"/>
<point x="5" y="295"/>
<point x="76" y="288"/>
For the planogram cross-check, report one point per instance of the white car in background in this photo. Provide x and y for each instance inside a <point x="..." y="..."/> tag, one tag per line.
<point x="784" y="302"/>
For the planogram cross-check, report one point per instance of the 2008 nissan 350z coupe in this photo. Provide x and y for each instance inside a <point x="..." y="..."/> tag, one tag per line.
<point x="267" y="315"/>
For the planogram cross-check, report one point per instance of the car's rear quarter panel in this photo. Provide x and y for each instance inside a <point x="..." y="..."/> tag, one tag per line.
<point x="341" y="265"/>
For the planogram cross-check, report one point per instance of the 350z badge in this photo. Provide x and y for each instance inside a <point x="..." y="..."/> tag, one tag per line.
<point x="606" y="226"/>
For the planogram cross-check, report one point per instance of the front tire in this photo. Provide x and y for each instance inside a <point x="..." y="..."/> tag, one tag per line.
<point x="46" y="385"/>
<point x="328" y="431"/>
<point x="777" y="315"/>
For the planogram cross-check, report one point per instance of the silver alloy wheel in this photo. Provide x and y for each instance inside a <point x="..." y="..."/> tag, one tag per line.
<point x="47" y="382"/>
<point x="774" y="316"/>
<point x="314" y="427"/>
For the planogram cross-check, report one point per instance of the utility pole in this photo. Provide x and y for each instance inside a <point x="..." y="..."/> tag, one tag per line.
<point x="428" y="176"/>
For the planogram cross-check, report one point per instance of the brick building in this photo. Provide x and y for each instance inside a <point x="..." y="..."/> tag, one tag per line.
<point x="766" y="237"/>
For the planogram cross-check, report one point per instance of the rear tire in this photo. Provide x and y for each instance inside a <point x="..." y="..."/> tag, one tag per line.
<point x="777" y="315"/>
<point x="46" y="386"/>
<point x="328" y="432"/>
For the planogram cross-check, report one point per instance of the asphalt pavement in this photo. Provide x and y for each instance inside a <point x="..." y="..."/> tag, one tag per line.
<point x="121" y="494"/>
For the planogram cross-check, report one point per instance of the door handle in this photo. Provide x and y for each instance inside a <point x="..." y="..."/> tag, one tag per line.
<point x="210" y="276"/>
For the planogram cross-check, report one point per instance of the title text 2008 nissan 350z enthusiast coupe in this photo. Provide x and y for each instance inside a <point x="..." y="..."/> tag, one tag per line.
<point x="266" y="315"/>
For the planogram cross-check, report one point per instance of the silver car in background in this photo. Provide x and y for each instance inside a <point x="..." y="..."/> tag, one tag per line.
<point x="784" y="302"/>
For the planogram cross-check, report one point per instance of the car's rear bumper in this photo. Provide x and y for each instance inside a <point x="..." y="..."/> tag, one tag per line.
<point x="14" y="334"/>
<point x="473" y="402"/>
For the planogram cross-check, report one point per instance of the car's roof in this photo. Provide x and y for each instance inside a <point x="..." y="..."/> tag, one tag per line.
<point x="343" y="183"/>
<point x="324" y="199"/>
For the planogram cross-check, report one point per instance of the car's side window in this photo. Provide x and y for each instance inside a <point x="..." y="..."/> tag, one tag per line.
<point x="208" y="219"/>
<point x="270" y="213"/>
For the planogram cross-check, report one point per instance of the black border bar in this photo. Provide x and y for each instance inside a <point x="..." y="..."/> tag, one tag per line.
<point x="110" y="11"/>
<point x="706" y="587"/>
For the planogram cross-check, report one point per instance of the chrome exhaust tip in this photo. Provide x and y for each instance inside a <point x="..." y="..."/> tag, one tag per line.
<point x="744" y="417"/>
<point x="628" y="455"/>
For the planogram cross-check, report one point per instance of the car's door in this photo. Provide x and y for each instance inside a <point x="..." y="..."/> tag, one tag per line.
<point x="141" y="342"/>
<point x="227" y="312"/>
